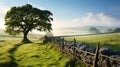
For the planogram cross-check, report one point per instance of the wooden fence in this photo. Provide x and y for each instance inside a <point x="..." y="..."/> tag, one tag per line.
<point x="91" y="59"/>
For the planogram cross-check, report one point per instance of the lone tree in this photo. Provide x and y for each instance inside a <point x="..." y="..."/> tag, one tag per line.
<point x="26" y="18"/>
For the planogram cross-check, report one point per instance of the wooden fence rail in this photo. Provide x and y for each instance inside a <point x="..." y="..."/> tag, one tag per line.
<point x="91" y="59"/>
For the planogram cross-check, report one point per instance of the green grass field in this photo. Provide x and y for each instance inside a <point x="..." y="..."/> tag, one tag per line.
<point x="110" y="40"/>
<point x="36" y="54"/>
<point x="15" y="54"/>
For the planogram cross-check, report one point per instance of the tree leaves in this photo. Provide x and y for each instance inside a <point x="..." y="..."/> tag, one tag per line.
<point x="26" y="18"/>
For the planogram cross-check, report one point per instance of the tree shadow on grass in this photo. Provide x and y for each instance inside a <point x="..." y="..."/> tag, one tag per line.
<point x="9" y="64"/>
<point x="12" y="63"/>
<point x="25" y="41"/>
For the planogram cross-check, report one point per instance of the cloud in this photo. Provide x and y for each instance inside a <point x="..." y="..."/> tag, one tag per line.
<point x="60" y="23"/>
<point x="98" y="19"/>
<point x="89" y="19"/>
<point x="3" y="10"/>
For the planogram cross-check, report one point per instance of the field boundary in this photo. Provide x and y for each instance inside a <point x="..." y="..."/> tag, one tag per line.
<point x="91" y="59"/>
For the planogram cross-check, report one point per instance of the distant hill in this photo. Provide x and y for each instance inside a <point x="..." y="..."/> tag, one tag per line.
<point x="79" y="30"/>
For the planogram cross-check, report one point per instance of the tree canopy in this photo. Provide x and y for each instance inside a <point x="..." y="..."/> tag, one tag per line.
<point x="26" y="18"/>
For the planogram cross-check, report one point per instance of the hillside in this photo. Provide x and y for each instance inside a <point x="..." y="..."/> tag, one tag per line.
<point x="110" y="40"/>
<point x="15" y="54"/>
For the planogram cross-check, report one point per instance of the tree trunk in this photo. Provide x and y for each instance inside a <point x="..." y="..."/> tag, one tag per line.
<point x="25" y="39"/>
<point x="25" y="35"/>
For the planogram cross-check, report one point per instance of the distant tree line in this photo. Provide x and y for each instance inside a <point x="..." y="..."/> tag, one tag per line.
<point x="94" y="30"/>
<point x="116" y="30"/>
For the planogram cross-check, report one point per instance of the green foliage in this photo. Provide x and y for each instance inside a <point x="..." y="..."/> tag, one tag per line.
<point x="26" y="18"/>
<point x="111" y="40"/>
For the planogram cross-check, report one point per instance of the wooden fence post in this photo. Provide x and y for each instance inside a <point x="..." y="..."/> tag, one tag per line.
<point x="63" y="44"/>
<point x="96" y="55"/>
<point x="74" y="46"/>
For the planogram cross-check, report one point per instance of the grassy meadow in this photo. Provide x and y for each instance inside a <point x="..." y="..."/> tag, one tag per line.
<point x="107" y="40"/>
<point x="36" y="54"/>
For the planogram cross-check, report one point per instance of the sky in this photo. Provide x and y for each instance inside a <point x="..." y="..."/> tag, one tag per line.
<point x="72" y="13"/>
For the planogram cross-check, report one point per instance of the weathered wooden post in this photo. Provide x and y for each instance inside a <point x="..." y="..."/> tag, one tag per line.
<point x="74" y="46"/>
<point x="63" y="44"/>
<point x="96" y="55"/>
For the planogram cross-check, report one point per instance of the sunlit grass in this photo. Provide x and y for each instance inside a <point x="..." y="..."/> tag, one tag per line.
<point x="6" y="44"/>
<point x="33" y="54"/>
<point x="4" y="51"/>
<point x="39" y="55"/>
<point x="110" y="40"/>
